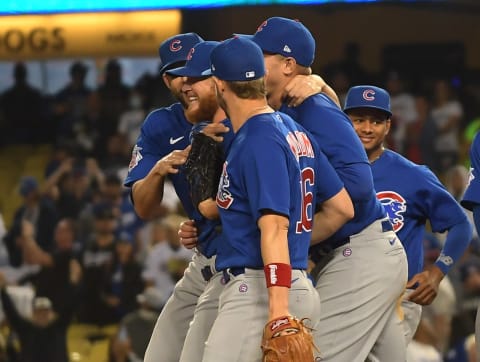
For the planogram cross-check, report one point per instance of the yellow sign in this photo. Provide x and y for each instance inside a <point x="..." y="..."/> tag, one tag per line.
<point x="80" y="35"/>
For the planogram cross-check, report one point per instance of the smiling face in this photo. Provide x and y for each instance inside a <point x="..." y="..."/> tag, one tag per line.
<point x="372" y="126"/>
<point x="200" y="98"/>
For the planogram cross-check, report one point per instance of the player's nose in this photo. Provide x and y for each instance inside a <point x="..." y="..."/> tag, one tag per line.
<point x="186" y="87"/>
<point x="366" y="127"/>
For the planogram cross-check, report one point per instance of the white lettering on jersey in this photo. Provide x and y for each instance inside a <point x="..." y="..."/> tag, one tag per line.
<point x="224" y="197"/>
<point x="300" y="144"/>
<point x="136" y="157"/>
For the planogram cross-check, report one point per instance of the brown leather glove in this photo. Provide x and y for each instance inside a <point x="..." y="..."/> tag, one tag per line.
<point x="287" y="339"/>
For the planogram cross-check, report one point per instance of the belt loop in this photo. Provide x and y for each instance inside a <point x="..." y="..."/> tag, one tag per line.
<point x="207" y="273"/>
<point x="226" y="276"/>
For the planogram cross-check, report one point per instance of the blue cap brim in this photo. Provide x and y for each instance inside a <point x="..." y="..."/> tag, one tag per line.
<point x="246" y="36"/>
<point x="164" y="67"/>
<point x="207" y="73"/>
<point x="186" y="72"/>
<point x="365" y="106"/>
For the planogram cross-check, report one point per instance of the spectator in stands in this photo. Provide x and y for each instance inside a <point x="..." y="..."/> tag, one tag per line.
<point x="113" y="96"/>
<point x="4" y="260"/>
<point x="421" y="134"/>
<point x="43" y="337"/>
<point x="99" y="252"/>
<point x="447" y="113"/>
<point x="39" y="211"/>
<point x="462" y="343"/>
<point x="349" y="65"/>
<point x="403" y="109"/>
<point x="117" y="196"/>
<point x="116" y="155"/>
<point x="136" y="327"/>
<point x="61" y="152"/>
<point x="422" y="347"/>
<point x="122" y="281"/>
<point x="167" y="259"/>
<point x="456" y="180"/>
<point x="132" y="119"/>
<point x="57" y="267"/>
<point x="438" y="315"/>
<point x="470" y="277"/>
<point x="72" y="185"/>
<point x="71" y="103"/>
<point x="157" y="95"/>
<point x="25" y="111"/>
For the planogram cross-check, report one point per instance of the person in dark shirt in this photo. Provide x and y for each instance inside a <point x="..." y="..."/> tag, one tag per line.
<point x="43" y="337"/>
<point x="25" y="110"/>
<point x="56" y="267"/>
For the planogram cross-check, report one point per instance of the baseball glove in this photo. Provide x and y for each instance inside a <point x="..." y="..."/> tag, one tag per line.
<point x="203" y="167"/>
<point x="287" y="339"/>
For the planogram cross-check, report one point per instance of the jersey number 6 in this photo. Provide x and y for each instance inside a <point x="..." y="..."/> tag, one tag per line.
<point x="306" y="186"/>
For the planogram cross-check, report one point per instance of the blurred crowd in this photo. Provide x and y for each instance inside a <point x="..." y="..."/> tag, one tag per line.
<point x="77" y="249"/>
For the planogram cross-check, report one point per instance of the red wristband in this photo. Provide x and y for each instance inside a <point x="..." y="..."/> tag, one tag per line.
<point x="278" y="275"/>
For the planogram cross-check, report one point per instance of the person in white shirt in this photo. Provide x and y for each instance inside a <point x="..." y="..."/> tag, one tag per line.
<point x="167" y="258"/>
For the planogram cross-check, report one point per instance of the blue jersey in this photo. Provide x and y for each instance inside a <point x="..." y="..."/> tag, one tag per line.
<point x="271" y="165"/>
<point x="411" y="194"/>
<point x="164" y="131"/>
<point x="471" y="197"/>
<point x="334" y="133"/>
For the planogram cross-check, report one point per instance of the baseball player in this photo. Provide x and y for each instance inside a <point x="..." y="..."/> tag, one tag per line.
<point x="202" y="105"/>
<point x="160" y="149"/>
<point x="265" y="199"/>
<point x="367" y="268"/>
<point x="411" y="194"/>
<point x="471" y="201"/>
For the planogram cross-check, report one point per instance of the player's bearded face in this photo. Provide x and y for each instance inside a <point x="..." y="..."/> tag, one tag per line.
<point x="201" y="102"/>
<point x="371" y="126"/>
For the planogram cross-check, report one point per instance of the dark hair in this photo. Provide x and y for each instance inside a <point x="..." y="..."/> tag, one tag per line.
<point x="20" y="71"/>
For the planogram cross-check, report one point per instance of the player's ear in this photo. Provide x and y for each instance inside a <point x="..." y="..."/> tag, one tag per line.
<point x="166" y="80"/>
<point x="388" y="123"/>
<point x="222" y="85"/>
<point x="289" y="66"/>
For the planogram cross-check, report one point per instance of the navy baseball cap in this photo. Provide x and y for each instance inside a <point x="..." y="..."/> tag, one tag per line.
<point x="28" y="184"/>
<point x="286" y="37"/>
<point x="237" y="59"/>
<point x="198" y="60"/>
<point x="368" y="96"/>
<point x="176" y="48"/>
